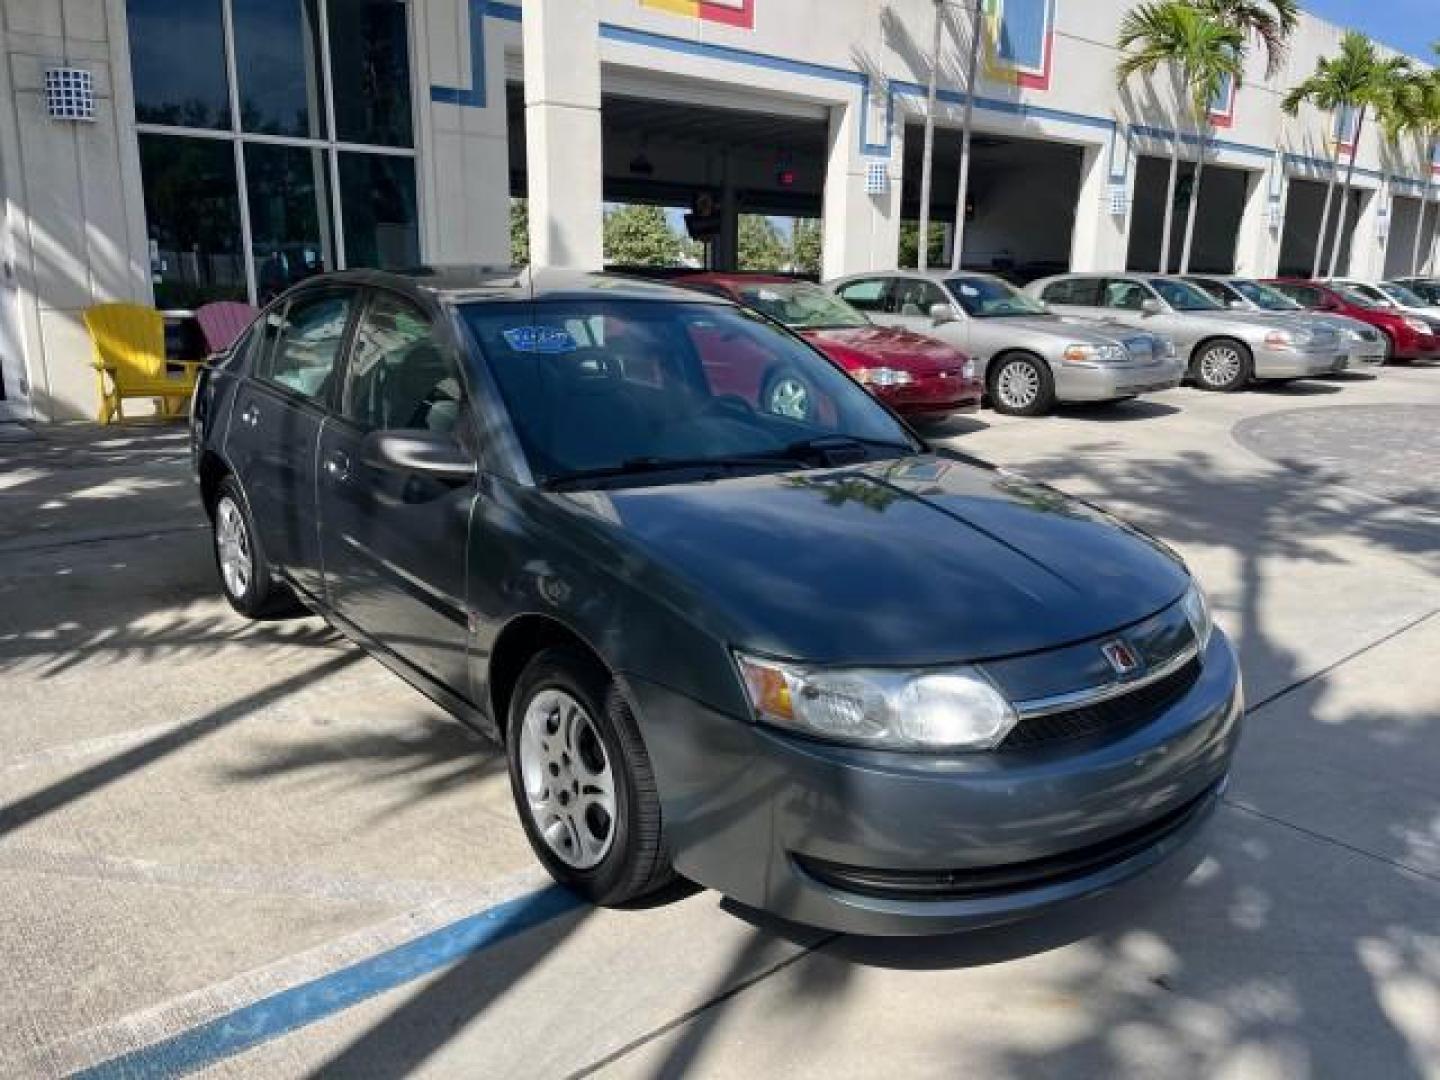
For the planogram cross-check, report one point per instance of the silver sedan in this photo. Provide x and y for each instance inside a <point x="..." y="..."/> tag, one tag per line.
<point x="1027" y="357"/>
<point x="1223" y="349"/>
<point x="1363" y="345"/>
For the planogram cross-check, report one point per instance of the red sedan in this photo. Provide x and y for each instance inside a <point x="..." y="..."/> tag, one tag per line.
<point x="911" y="373"/>
<point x="1410" y="336"/>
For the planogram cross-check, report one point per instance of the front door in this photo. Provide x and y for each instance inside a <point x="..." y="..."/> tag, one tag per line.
<point x="276" y="423"/>
<point x="394" y="543"/>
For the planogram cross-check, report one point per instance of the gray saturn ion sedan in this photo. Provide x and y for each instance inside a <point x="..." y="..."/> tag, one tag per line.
<point x="812" y="664"/>
<point x="1027" y="357"/>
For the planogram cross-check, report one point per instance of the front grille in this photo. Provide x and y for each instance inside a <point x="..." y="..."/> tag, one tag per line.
<point x="980" y="882"/>
<point x="1141" y="350"/>
<point x="1111" y="717"/>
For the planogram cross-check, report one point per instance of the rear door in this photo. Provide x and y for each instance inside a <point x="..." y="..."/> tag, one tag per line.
<point x="393" y="542"/>
<point x="276" y="422"/>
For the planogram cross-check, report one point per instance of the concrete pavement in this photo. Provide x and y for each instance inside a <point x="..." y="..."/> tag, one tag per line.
<point x="197" y="814"/>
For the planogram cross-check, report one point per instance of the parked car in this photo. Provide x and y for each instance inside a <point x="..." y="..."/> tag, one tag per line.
<point x="913" y="374"/>
<point x="810" y="663"/>
<point x="1363" y="345"/>
<point x="1407" y="337"/>
<point x="1224" y="350"/>
<point x="1428" y="289"/>
<point x="1028" y="358"/>
<point x="1397" y="296"/>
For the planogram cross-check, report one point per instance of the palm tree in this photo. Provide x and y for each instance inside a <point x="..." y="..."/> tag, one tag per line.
<point x="1272" y="21"/>
<point x="1357" y="80"/>
<point x="1423" y="122"/>
<point x="1201" y="52"/>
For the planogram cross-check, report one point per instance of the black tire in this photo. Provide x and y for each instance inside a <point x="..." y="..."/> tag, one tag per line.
<point x="778" y="396"/>
<point x="1021" y="385"/>
<point x="1390" y="348"/>
<point x="1223" y="366"/>
<point x="637" y="861"/>
<point x="259" y="595"/>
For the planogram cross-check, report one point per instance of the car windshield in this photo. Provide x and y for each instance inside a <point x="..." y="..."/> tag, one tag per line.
<point x="1182" y="296"/>
<point x="991" y="298"/>
<point x="1356" y="297"/>
<point x="1401" y="295"/>
<point x="601" y="391"/>
<point x="1264" y="296"/>
<point x="801" y="306"/>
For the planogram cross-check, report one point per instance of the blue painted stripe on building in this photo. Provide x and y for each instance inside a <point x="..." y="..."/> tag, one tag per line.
<point x="284" y="1012"/>
<point x="475" y="97"/>
<point x="626" y="35"/>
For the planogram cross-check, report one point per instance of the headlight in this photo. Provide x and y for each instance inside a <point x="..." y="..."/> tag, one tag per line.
<point x="1197" y="610"/>
<point x="1086" y="354"/>
<point x="1418" y="325"/>
<point x="883" y="376"/>
<point x="955" y="709"/>
<point x="1281" y="339"/>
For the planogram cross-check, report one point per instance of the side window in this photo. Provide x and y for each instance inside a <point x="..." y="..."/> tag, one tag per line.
<point x="1077" y="292"/>
<point x="867" y="295"/>
<point x="914" y="299"/>
<point x="1125" y="295"/>
<point x="1303" y="295"/>
<point x="401" y="378"/>
<point x="307" y="343"/>
<point x="1212" y="289"/>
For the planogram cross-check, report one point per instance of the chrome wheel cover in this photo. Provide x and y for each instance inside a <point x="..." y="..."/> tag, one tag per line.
<point x="1221" y="365"/>
<point x="790" y="397"/>
<point x="569" y="784"/>
<point x="1018" y="385"/>
<point x="232" y="542"/>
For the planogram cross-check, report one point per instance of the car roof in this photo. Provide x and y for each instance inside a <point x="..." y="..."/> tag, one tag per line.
<point x="473" y="284"/>
<point x="720" y="277"/>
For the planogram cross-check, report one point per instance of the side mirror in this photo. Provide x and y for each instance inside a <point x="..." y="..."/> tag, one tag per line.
<point x="1151" y="306"/>
<point x="427" y="453"/>
<point x="942" y="313"/>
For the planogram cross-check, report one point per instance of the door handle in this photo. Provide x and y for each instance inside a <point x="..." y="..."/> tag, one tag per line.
<point x="250" y="415"/>
<point x="337" y="465"/>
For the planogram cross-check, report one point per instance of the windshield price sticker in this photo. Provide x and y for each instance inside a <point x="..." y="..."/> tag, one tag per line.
<point x="545" y="340"/>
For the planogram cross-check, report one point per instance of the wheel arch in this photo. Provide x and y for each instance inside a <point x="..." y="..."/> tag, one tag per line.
<point x="1205" y="342"/>
<point x="520" y="641"/>
<point x="998" y="360"/>
<point x="212" y="469"/>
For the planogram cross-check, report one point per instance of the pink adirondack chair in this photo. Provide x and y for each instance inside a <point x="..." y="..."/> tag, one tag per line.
<point x="223" y="322"/>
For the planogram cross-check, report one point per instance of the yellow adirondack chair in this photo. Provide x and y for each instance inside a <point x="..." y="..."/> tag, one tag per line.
<point x="130" y="360"/>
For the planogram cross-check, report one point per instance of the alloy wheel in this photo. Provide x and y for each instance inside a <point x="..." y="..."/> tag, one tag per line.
<point x="1018" y="385"/>
<point x="232" y="541"/>
<point x="790" y="397"/>
<point x="569" y="782"/>
<point x="1221" y="365"/>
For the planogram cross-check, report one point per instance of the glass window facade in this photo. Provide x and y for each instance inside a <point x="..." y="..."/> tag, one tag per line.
<point x="278" y="144"/>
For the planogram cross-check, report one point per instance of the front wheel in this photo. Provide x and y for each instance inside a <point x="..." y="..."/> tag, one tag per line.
<point x="1223" y="367"/>
<point x="1022" y="386"/>
<point x="582" y="780"/>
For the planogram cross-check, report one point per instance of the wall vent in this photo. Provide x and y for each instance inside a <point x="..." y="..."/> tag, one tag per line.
<point x="70" y="94"/>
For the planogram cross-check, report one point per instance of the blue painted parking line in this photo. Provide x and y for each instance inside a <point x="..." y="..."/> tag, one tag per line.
<point x="270" y="1017"/>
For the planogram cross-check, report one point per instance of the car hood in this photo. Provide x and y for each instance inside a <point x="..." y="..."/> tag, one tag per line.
<point x="883" y="345"/>
<point x="925" y="560"/>
<point x="1073" y="329"/>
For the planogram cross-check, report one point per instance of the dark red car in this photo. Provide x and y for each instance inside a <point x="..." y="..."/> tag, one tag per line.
<point x="1410" y="337"/>
<point x="911" y="373"/>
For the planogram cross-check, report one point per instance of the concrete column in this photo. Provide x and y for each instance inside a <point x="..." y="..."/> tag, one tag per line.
<point x="1257" y="249"/>
<point x="562" y="133"/>
<point x="727" y="244"/>
<point x="1367" y="249"/>
<point x="1101" y="240"/>
<point x="862" y="231"/>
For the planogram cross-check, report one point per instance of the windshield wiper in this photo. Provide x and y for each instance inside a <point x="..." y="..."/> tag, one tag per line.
<point x="841" y="449"/>
<point x="641" y="466"/>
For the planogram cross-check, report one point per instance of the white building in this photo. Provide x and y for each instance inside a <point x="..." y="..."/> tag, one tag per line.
<point x="236" y="145"/>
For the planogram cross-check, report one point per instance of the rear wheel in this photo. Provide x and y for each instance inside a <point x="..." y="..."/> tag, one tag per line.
<point x="582" y="780"/>
<point x="245" y="574"/>
<point x="1223" y="366"/>
<point x="1022" y="386"/>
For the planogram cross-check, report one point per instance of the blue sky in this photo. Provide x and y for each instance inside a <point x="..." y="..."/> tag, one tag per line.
<point x="1408" y="25"/>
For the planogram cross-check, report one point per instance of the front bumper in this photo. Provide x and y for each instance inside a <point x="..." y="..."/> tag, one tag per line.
<point x="933" y="394"/>
<point x="1101" y="382"/>
<point x="1273" y="363"/>
<point x="1418" y="347"/>
<point x="790" y="825"/>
